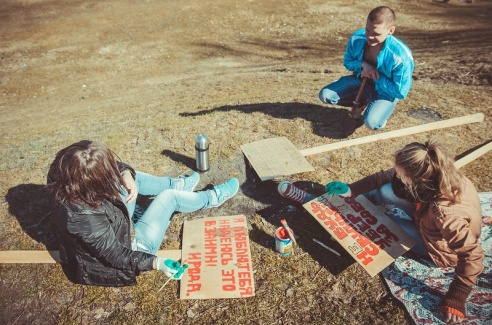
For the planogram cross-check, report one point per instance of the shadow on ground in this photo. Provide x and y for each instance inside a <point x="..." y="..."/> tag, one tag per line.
<point x="29" y="203"/>
<point x="325" y="120"/>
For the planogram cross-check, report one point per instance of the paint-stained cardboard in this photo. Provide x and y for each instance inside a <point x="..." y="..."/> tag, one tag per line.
<point x="218" y="254"/>
<point x="364" y="231"/>
<point x="275" y="157"/>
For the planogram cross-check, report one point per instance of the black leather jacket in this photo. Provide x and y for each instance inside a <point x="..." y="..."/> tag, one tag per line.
<point x="95" y="242"/>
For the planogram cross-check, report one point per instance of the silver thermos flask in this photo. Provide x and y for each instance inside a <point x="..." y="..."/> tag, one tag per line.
<point x="202" y="157"/>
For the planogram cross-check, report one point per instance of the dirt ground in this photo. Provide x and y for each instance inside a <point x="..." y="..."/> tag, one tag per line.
<point x="145" y="77"/>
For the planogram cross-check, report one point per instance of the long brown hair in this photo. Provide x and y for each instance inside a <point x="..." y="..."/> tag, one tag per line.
<point x="85" y="171"/>
<point x="431" y="170"/>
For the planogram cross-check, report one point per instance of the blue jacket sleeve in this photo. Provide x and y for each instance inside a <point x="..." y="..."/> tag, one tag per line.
<point x="395" y="66"/>
<point x="352" y="59"/>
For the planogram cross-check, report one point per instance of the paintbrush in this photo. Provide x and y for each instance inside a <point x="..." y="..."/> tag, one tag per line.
<point x="286" y="227"/>
<point x="181" y="269"/>
<point x="328" y="248"/>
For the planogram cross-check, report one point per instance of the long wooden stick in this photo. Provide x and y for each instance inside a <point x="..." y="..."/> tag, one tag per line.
<point x="169" y="279"/>
<point x="17" y="257"/>
<point x="474" y="118"/>
<point x="356" y="112"/>
<point x="474" y="155"/>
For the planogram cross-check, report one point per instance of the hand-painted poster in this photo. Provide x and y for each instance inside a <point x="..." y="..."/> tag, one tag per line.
<point x="371" y="237"/>
<point x="218" y="255"/>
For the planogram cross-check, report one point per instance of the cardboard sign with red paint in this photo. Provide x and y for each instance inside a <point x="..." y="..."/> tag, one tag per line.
<point x="218" y="255"/>
<point x="364" y="231"/>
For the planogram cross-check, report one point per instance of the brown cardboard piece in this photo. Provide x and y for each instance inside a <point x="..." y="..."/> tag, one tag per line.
<point x="275" y="157"/>
<point x="218" y="255"/>
<point x="364" y="231"/>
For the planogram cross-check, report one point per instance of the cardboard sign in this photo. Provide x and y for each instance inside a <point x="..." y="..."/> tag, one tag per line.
<point x="218" y="255"/>
<point x="275" y="157"/>
<point x="371" y="237"/>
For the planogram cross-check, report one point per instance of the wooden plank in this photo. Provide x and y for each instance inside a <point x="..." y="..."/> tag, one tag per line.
<point x="18" y="256"/>
<point x="474" y="155"/>
<point x="474" y="118"/>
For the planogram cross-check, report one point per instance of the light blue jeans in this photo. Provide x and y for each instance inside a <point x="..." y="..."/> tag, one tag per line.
<point x="151" y="227"/>
<point x="385" y="195"/>
<point x="343" y="92"/>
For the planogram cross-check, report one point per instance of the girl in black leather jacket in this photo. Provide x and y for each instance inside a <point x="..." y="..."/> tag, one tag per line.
<point x="93" y="200"/>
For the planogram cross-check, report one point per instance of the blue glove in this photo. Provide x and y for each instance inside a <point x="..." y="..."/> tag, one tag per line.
<point x="172" y="269"/>
<point x="337" y="187"/>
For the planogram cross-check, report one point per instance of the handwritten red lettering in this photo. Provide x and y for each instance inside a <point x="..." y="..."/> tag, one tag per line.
<point x="228" y="276"/>
<point x="340" y="233"/>
<point x="244" y="279"/>
<point x="225" y="240"/>
<point x="382" y="243"/>
<point x="330" y="223"/>
<point x="192" y="287"/>
<point x="246" y="291"/>
<point x="372" y="234"/>
<point x="372" y="249"/>
<point x="368" y="217"/>
<point x="365" y="259"/>
<point x="319" y="212"/>
<point x="388" y="235"/>
<point x="357" y="207"/>
<point x="194" y="273"/>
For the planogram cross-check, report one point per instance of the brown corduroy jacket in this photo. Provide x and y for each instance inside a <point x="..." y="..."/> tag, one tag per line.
<point x="451" y="232"/>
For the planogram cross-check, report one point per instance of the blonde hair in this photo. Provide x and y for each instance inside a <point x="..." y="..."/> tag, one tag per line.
<point x="431" y="170"/>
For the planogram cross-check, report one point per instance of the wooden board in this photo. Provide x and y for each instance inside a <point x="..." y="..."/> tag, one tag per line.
<point x="474" y="118"/>
<point x="275" y="157"/>
<point x="19" y="256"/>
<point x="473" y="155"/>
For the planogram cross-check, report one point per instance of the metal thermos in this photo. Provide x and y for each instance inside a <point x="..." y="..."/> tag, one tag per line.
<point x="202" y="157"/>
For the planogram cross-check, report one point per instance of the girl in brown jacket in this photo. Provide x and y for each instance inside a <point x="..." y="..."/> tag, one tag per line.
<point x="444" y="207"/>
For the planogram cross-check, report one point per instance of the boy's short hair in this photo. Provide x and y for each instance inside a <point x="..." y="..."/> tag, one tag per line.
<point x="382" y="14"/>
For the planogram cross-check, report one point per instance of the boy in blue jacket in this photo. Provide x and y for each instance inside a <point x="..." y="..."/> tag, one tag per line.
<point x="374" y="53"/>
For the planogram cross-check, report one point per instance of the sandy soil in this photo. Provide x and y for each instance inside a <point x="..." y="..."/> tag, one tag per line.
<point x="145" y="77"/>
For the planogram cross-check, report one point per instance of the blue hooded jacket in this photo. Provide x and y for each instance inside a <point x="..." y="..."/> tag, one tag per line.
<point x="394" y="64"/>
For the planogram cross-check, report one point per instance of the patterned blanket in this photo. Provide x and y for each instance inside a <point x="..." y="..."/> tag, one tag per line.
<point x="419" y="285"/>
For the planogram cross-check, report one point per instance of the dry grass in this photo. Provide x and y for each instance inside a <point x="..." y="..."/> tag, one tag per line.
<point x="146" y="77"/>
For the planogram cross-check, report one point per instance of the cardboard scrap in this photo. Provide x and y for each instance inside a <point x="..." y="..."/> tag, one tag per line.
<point x="275" y="157"/>
<point x="218" y="255"/>
<point x="364" y="231"/>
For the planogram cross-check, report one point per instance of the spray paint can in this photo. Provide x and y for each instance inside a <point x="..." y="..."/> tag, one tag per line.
<point x="283" y="243"/>
<point x="202" y="156"/>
